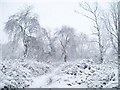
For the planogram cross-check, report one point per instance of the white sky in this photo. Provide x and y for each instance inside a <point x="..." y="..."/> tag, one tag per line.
<point x="52" y="14"/>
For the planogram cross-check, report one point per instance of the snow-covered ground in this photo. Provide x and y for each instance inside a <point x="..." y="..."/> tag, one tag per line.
<point x="77" y="74"/>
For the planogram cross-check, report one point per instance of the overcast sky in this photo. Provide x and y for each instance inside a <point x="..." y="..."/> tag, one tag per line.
<point x="52" y="14"/>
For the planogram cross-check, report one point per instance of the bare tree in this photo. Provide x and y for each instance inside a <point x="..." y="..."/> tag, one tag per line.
<point x="82" y="45"/>
<point x="110" y="21"/>
<point x="114" y="27"/>
<point x="51" y="39"/>
<point x="65" y="38"/>
<point x="21" y="25"/>
<point x="94" y="15"/>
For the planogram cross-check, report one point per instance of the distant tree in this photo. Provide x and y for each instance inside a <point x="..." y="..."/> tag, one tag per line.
<point x="21" y="25"/>
<point x="67" y="43"/>
<point x="10" y="50"/>
<point x="82" y="45"/>
<point x="51" y="47"/>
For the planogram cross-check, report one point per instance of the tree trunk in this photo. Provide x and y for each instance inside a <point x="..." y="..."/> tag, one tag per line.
<point x="101" y="55"/>
<point x="65" y="58"/>
<point x="25" y="52"/>
<point x="25" y="44"/>
<point x="119" y="44"/>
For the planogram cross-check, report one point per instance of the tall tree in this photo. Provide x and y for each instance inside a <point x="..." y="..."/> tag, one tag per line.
<point x="94" y="15"/>
<point x="21" y="25"/>
<point x="110" y="22"/>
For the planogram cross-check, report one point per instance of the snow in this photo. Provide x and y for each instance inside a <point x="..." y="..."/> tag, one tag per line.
<point x="19" y="74"/>
<point x="77" y="74"/>
<point x="39" y="81"/>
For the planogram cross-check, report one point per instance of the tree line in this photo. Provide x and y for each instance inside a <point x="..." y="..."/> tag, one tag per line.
<point x="28" y="39"/>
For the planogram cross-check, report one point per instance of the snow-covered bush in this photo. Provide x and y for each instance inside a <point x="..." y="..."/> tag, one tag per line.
<point x="37" y="68"/>
<point x="83" y="72"/>
<point x="19" y="74"/>
<point x="14" y="74"/>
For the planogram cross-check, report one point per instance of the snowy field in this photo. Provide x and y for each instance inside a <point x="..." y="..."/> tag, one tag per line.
<point x="77" y="74"/>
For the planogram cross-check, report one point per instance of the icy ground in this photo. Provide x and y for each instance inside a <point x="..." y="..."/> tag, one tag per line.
<point x="77" y="74"/>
